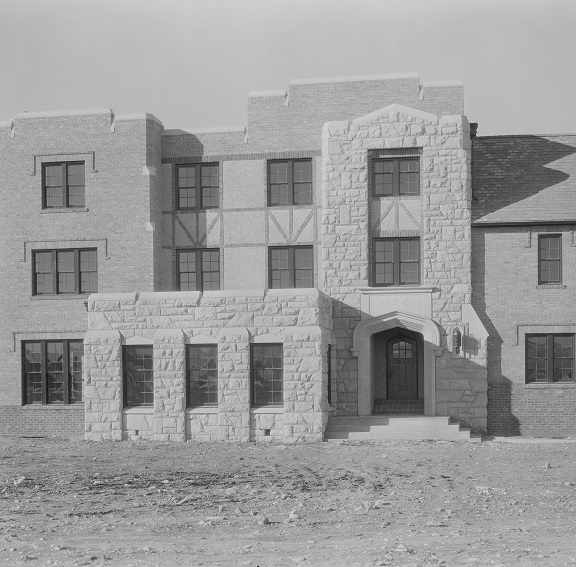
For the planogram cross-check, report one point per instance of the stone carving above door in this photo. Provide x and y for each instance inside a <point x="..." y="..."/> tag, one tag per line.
<point x="380" y="301"/>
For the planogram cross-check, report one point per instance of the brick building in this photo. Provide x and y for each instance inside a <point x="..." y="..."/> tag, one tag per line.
<point x="354" y="259"/>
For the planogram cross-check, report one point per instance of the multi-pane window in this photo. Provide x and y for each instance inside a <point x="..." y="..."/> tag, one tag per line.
<point x="290" y="182"/>
<point x="202" y="375"/>
<point x="550" y="259"/>
<point x="52" y="372"/>
<point x="198" y="269"/>
<point x="266" y="365"/>
<point x="549" y="358"/>
<point x="394" y="177"/>
<point x="65" y="271"/>
<point x="197" y="186"/>
<point x="63" y="185"/>
<point x="396" y="261"/>
<point x="138" y="375"/>
<point x="291" y="267"/>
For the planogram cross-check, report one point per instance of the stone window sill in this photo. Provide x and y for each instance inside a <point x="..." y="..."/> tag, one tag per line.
<point x="68" y="210"/>
<point x="552" y="385"/>
<point x="551" y="286"/>
<point x="267" y="410"/>
<point x="396" y="197"/>
<point x="60" y="407"/>
<point x="202" y="410"/>
<point x="139" y="410"/>
<point x="59" y="297"/>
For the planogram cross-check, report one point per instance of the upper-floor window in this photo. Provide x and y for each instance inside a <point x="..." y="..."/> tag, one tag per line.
<point x="138" y="375"/>
<point x="396" y="261"/>
<point x="202" y="375"/>
<point x="63" y="185"/>
<point x="550" y="259"/>
<point x="65" y="271"/>
<point x="549" y="358"/>
<point x="266" y="365"/>
<point x="52" y="371"/>
<point x="199" y="269"/>
<point x="197" y="186"/>
<point x="291" y="267"/>
<point x="290" y="182"/>
<point x="395" y="177"/>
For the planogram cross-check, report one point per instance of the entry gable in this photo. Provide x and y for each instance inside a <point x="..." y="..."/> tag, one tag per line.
<point x="394" y="113"/>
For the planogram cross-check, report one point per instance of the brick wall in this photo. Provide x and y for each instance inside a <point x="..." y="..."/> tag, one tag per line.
<point x="116" y="151"/>
<point x="511" y="304"/>
<point x="28" y="421"/>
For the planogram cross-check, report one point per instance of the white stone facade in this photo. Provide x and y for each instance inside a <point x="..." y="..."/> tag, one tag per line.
<point x="455" y="384"/>
<point x="300" y="320"/>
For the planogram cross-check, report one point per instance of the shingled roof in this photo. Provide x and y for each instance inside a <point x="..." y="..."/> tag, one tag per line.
<point x="524" y="179"/>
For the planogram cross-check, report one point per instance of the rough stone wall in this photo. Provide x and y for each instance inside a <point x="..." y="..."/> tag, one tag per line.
<point x="300" y="320"/>
<point x="443" y="225"/>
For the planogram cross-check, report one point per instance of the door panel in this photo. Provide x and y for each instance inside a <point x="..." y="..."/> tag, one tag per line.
<point x="402" y="365"/>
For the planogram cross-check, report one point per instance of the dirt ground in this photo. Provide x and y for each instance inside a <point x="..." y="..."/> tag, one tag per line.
<point x="367" y="504"/>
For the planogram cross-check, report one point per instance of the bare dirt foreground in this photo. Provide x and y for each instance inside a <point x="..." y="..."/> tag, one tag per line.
<point x="397" y="503"/>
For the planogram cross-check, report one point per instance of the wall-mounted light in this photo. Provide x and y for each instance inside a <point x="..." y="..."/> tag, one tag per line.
<point x="456" y="340"/>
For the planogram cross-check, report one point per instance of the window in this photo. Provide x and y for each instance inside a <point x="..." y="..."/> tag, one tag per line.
<point x="394" y="177"/>
<point x="202" y="375"/>
<point x="63" y="185"/>
<point x="396" y="261"/>
<point x="65" y="271"/>
<point x="291" y="266"/>
<point x="266" y="365"/>
<point x="197" y="186"/>
<point x="290" y="182"/>
<point x="198" y="270"/>
<point x="138" y="375"/>
<point x="550" y="259"/>
<point x="52" y="372"/>
<point x="549" y="358"/>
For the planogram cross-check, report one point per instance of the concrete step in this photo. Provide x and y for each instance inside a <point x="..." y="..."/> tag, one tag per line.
<point x="413" y="427"/>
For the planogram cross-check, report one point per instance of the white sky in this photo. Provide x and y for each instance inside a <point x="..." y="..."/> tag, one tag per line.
<point x="191" y="63"/>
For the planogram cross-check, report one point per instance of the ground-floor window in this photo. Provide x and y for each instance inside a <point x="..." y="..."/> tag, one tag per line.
<point x="549" y="358"/>
<point x="138" y="375"/>
<point x="266" y="363"/>
<point x="202" y="375"/>
<point x="52" y="371"/>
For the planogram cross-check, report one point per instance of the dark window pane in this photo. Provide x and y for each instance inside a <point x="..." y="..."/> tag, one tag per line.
<point x="138" y="375"/>
<point x="75" y="359"/>
<point x="66" y="275"/>
<point x="202" y="375"/>
<point x="43" y="272"/>
<point x="33" y="372"/>
<point x="267" y="372"/>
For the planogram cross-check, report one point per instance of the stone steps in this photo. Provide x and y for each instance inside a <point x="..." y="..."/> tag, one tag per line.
<point x="406" y="427"/>
<point x="399" y="407"/>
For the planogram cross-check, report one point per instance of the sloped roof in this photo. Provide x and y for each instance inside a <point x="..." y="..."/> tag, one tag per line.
<point x="523" y="179"/>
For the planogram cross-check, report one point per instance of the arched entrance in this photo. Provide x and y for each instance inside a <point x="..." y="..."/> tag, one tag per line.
<point x="406" y="378"/>
<point x="397" y="365"/>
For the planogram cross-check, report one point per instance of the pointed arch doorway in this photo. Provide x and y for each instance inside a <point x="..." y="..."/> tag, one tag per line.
<point x="424" y="342"/>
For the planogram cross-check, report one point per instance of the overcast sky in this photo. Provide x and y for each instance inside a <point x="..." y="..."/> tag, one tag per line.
<point x="192" y="62"/>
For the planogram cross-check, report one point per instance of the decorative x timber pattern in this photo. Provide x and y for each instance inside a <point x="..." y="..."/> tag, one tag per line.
<point x="200" y="236"/>
<point x="394" y="208"/>
<point x="288" y="232"/>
